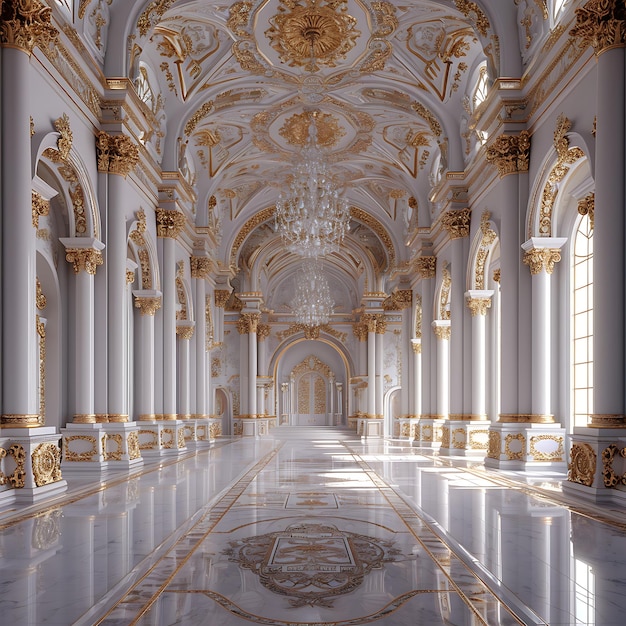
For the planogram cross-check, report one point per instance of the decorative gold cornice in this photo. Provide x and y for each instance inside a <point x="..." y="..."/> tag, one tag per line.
<point x="510" y="153"/>
<point x="539" y="259"/>
<point x="40" y="207"/>
<point x="478" y="306"/>
<point x="117" y="154"/>
<point x="184" y="332"/>
<point x="601" y="24"/>
<point x="170" y="223"/>
<point x="86" y="259"/>
<point x="248" y="323"/>
<point x="442" y="332"/>
<point x="221" y="297"/>
<point x="561" y="142"/>
<point x="457" y="223"/>
<point x="25" y="24"/>
<point x="148" y="305"/>
<point x="201" y="267"/>
<point x="426" y="266"/>
<point x="587" y="206"/>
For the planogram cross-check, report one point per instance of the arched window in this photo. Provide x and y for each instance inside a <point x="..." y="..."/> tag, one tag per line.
<point x="143" y="87"/>
<point x="482" y="87"/>
<point x="582" y="321"/>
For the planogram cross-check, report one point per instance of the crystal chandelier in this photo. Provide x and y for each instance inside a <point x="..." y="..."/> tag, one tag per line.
<point x="312" y="303"/>
<point x="311" y="216"/>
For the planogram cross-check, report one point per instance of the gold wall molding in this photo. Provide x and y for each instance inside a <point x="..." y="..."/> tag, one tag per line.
<point x="115" y="454"/>
<point x="170" y="223"/>
<point x="133" y="445"/>
<point x="84" y="259"/>
<point x="64" y="142"/>
<point x="510" y="153"/>
<point x="40" y="299"/>
<point x="540" y="259"/>
<point x="601" y="24"/>
<point x="515" y="455"/>
<point x="457" y="223"/>
<point x="587" y="206"/>
<point x="488" y="237"/>
<point x="25" y="24"/>
<point x="556" y="456"/>
<point x="117" y="154"/>
<point x="46" y="461"/>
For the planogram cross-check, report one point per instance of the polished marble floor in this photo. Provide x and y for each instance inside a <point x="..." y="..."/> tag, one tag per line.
<point x="313" y="526"/>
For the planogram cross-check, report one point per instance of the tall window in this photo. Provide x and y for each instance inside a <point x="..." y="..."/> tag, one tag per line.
<point x="482" y="87"/>
<point x="583" y="321"/>
<point x="557" y="6"/>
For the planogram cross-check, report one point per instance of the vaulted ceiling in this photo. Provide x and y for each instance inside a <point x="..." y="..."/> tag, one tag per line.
<point x="232" y="86"/>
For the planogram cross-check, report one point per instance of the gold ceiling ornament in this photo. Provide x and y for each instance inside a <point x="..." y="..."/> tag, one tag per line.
<point x="425" y="114"/>
<point x="25" y="24"/>
<point x="510" y="153"/>
<point x="238" y="17"/>
<point x="295" y="129"/>
<point x="151" y="15"/>
<point x="601" y="24"/>
<point x="198" y="116"/>
<point x="312" y="33"/>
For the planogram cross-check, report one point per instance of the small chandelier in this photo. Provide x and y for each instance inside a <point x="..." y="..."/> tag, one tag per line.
<point x="311" y="216"/>
<point x="312" y="304"/>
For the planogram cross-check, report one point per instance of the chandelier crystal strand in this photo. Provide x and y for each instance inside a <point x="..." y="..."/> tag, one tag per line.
<point x="312" y="303"/>
<point x="311" y="215"/>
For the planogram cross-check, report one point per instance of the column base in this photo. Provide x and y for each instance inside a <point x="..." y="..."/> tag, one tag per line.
<point x="370" y="428"/>
<point x="597" y="469"/>
<point x="121" y="446"/>
<point x="32" y="465"/>
<point x="525" y="446"/>
<point x="406" y="427"/>
<point x="83" y="448"/>
<point x="161" y="437"/>
<point x="254" y="426"/>
<point x="465" y="437"/>
<point x="428" y="432"/>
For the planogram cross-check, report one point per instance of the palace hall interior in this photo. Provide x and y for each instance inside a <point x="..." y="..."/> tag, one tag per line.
<point x="306" y="317"/>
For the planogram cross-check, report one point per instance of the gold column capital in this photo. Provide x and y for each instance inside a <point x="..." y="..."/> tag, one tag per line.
<point x="426" y="266"/>
<point x="457" y="222"/>
<point x="117" y="154"/>
<point x="148" y="305"/>
<point x="169" y="222"/>
<point x="263" y="331"/>
<point x="399" y="300"/>
<point x="248" y="323"/>
<point x="539" y="259"/>
<point x="25" y="24"/>
<point x="221" y="297"/>
<point x="201" y="267"/>
<point x="84" y="259"/>
<point x="478" y="306"/>
<point x="185" y="331"/>
<point x="359" y="329"/>
<point x="510" y="153"/>
<point x="601" y="24"/>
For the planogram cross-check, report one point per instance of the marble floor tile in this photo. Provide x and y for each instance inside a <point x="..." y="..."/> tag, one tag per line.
<point x="312" y="526"/>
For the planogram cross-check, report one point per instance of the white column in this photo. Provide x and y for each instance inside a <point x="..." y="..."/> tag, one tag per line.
<point x="19" y="336"/>
<point x="148" y="302"/>
<point x="441" y="328"/>
<point x="478" y="301"/>
<point x="541" y="253"/>
<point x="426" y="268"/>
<point x="184" y="332"/>
<point x="381" y="327"/>
<point x="340" y="401"/>
<point x="85" y="255"/>
<point x="331" y="397"/>
<point x="199" y="269"/>
<point x="416" y="383"/>
<point x="371" y="368"/>
<point x="252" y="371"/>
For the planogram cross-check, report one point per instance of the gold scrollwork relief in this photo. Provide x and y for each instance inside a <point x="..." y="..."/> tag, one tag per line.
<point x="116" y="454"/>
<point x="445" y="437"/>
<point x="510" y="153"/>
<point x="479" y="439"/>
<point x="587" y="206"/>
<point x="494" y="448"/>
<point x="509" y="445"/>
<point x="40" y="208"/>
<point x="46" y="460"/>
<point x="84" y="259"/>
<point x="457" y="223"/>
<point x="133" y="446"/>
<point x="170" y="223"/>
<point x="180" y="438"/>
<point x="167" y="438"/>
<point x="117" y="154"/>
<point x="582" y="467"/>
<point x="555" y="455"/>
<point x="540" y="259"/>
<point x="426" y="266"/>
<point x="600" y="24"/>
<point x="149" y="439"/>
<point x="458" y="439"/>
<point x="25" y="25"/>
<point x="17" y="478"/>
<point x="215" y="430"/>
<point x="611" y="477"/>
<point x="86" y="455"/>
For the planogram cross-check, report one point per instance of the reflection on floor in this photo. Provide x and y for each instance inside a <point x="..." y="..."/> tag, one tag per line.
<point x="313" y="526"/>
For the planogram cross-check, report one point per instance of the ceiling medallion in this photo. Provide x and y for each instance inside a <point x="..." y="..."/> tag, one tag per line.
<point x="295" y="130"/>
<point x="312" y="33"/>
